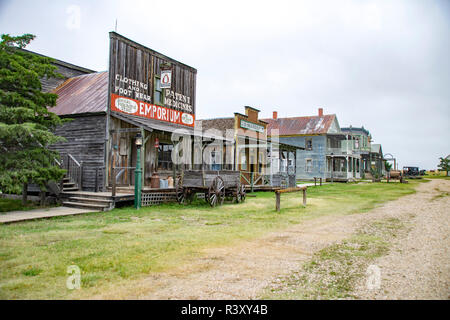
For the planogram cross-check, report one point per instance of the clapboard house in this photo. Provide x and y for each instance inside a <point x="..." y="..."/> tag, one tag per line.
<point x="361" y="144"/>
<point x="327" y="153"/>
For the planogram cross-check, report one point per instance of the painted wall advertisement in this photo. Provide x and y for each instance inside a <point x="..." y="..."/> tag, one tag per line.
<point x="131" y="90"/>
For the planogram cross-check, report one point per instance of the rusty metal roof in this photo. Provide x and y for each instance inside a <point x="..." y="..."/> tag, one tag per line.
<point x="300" y="125"/>
<point x="83" y="94"/>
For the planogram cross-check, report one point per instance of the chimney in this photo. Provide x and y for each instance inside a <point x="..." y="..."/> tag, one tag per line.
<point x="275" y="115"/>
<point x="320" y="112"/>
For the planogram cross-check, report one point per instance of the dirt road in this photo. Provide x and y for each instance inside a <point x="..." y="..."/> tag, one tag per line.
<point x="418" y="266"/>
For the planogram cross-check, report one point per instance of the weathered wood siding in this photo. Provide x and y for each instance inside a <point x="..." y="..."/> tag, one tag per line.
<point x="134" y="61"/>
<point x="85" y="142"/>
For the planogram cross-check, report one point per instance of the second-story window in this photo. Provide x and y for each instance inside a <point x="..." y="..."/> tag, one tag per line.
<point x="308" y="144"/>
<point x="158" y="92"/>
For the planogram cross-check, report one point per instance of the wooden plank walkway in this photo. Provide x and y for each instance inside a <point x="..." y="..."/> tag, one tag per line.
<point x="17" y="216"/>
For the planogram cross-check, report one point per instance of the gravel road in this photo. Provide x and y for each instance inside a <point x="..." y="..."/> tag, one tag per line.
<point x="418" y="265"/>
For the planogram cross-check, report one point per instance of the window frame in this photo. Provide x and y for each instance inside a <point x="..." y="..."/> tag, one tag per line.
<point x="306" y="144"/>
<point x="161" y="103"/>
<point x="308" y="168"/>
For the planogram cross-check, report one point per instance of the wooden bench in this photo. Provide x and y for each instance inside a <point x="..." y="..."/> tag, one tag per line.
<point x="288" y="190"/>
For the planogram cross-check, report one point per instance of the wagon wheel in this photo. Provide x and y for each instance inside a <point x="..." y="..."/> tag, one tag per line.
<point x="242" y="193"/>
<point x="216" y="192"/>
<point x="179" y="190"/>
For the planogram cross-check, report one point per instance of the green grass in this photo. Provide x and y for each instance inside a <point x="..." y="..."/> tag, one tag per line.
<point x="14" y="205"/>
<point x="113" y="247"/>
<point x="333" y="272"/>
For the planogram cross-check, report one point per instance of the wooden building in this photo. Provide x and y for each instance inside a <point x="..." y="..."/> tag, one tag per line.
<point x="261" y="161"/>
<point x="327" y="153"/>
<point x="108" y="109"/>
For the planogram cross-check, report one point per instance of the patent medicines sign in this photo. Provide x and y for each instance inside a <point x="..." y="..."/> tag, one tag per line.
<point x="139" y="87"/>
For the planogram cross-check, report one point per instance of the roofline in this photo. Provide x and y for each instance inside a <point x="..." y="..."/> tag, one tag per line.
<point x="316" y="116"/>
<point x="248" y="107"/>
<point x="83" y="114"/>
<point x="60" y="62"/>
<point x="299" y="135"/>
<point x="356" y="129"/>
<point x="113" y="34"/>
<point x="223" y="118"/>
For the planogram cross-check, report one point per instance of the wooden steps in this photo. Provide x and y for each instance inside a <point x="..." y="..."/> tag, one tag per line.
<point x="96" y="201"/>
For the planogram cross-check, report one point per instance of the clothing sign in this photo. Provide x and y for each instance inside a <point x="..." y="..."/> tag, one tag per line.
<point x="166" y="79"/>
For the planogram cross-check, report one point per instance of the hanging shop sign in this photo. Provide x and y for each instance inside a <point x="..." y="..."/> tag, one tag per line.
<point x="156" y="143"/>
<point x="133" y="73"/>
<point x="252" y="126"/>
<point x="166" y="79"/>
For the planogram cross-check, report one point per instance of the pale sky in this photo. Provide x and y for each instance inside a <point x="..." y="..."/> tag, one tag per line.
<point x="380" y="64"/>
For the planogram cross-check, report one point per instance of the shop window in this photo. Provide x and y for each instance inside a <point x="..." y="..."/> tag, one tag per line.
<point x="158" y="94"/>
<point x="215" y="160"/>
<point x="284" y="161"/>
<point x="308" y="144"/>
<point x="308" y="165"/>
<point x="243" y="160"/>
<point x="260" y="162"/>
<point x="165" y="157"/>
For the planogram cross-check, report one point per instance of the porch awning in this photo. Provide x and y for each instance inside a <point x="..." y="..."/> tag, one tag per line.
<point x="151" y="125"/>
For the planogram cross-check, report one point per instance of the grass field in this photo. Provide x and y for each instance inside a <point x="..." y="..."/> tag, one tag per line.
<point x="113" y="247"/>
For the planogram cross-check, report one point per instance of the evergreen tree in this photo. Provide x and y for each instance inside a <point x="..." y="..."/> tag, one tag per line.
<point x="25" y="122"/>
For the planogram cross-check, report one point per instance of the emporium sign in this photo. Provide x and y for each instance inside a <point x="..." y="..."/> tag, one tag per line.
<point x="131" y="90"/>
<point x="150" y="111"/>
<point x="252" y="126"/>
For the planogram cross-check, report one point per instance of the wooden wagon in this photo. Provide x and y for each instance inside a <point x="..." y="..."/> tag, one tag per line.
<point x="215" y="185"/>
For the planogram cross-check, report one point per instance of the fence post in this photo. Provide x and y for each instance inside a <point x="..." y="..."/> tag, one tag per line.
<point x="304" y="197"/>
<point x="251" y="182"/>
<point x="277" y="202"/>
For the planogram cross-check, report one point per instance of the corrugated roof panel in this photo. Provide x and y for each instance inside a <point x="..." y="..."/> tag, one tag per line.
<point x="82" y="94"/>
<point x="300" y="125"/>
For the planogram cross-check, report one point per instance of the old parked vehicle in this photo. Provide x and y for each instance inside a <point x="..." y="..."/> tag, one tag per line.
<point x="410" y="171"/>
<point x="215" y="185"/>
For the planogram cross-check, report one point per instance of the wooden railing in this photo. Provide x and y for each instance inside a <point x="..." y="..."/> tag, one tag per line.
<point x="74" y="169"/>
<point x="115" y="173"/>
